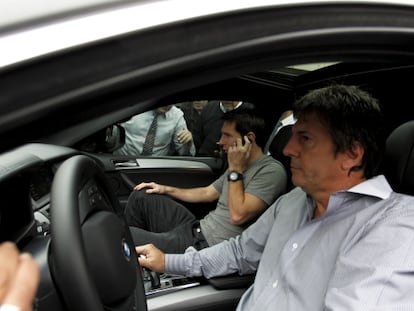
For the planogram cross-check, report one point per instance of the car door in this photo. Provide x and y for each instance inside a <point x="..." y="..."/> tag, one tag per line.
<point x="119" y="150"/>
<point x="124" y="172"/>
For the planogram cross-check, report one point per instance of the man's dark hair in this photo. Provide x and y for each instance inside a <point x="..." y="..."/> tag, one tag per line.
<point x="352" y="116"/>
<point x="248" y="120"/>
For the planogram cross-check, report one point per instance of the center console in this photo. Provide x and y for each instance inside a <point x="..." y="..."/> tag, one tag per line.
<point x="156" y="284"/>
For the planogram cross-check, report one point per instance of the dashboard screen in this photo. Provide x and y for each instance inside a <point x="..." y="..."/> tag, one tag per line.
<point x="16" y="214"/>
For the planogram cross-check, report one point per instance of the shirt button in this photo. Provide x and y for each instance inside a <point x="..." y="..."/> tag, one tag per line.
<point x="294" y="246"/>
<point x="274" y="285"/>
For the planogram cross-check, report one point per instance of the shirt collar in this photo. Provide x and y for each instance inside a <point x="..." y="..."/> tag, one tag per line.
<point x="377" y="186"/>
<point x="224" y="110"/>
<point x="160" y="114"/>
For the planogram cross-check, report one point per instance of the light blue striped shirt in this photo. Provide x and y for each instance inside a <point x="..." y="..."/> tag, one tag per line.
<point x="170" y="124"/>
<point x="358" y="256"/>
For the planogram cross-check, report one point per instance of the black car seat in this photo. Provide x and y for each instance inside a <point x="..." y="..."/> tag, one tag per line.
<point x="399" y="158"/>
<point x="276" y="150"/>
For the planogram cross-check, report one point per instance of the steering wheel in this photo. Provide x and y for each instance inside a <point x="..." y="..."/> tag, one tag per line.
<point x="93" y="259"/>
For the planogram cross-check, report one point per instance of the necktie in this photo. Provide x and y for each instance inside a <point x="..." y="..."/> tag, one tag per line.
<point x="149" y="140"/>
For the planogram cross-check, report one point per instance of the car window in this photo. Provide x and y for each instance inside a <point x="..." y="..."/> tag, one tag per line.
<point x="182" y="129"/>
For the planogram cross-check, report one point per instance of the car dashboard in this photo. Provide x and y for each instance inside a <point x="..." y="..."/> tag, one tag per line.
<point x="26" y="176"/>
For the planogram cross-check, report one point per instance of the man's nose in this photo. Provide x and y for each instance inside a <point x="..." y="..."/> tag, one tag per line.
<point x="287" y="150"/>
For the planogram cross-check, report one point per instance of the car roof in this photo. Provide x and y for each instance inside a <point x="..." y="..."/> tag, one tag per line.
<point x="73" y="83"/>
<point x="29" y="29"/>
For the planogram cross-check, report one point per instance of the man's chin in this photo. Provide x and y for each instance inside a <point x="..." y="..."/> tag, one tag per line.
<point x="296" y="181"/>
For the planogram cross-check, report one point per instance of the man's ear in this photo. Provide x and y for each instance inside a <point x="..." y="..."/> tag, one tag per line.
<point x="251" y="136"/>
<point x="353" y="157"/>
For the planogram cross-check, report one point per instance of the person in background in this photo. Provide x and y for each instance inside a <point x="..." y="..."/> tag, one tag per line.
<point x="341" y="240"/>
<point x="192" y="115"/>
<point x="19" y="278"/>
<point x="252" y="181"/>
<point x="158" y="132"/>
<point x="211" y="122"/>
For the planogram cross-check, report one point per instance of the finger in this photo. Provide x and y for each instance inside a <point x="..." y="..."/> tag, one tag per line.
<point x="249" y="147"/>
<point x="9" y="259"/>
<point x="180" y="138"/>
<point x="186" y="138"/>
<point x="150" y="186"/>
<point x="140" y="186"/>
<point x="181" y="133"/>
<point x="142" y="249"/>
<point x="246" y="141"/>
<point x="139" y="250"/>
<point x="24" y="285"/>
<point x="142" y="260"/>
<point x="141" y="257"/>
<point x="144" y="253"/>
<point x="153" y="189"/>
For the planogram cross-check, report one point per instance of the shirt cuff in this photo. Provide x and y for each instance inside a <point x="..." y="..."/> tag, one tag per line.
<point x="188" y="264"/>
<point x="175" y="264"/>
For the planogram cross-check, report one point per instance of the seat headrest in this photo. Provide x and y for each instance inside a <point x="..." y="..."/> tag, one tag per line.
<point x="280" y="140"/>
<point x="399" y="158"/>
<point x="276" y="149"/>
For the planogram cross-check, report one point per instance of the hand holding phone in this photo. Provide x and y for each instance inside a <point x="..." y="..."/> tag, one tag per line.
<point x="249" y="137"/>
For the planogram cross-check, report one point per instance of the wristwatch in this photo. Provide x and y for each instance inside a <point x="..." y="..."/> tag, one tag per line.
<point x="234" y="176"/>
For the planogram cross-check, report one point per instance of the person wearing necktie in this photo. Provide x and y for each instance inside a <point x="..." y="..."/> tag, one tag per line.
<point x="159" y="132"/>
